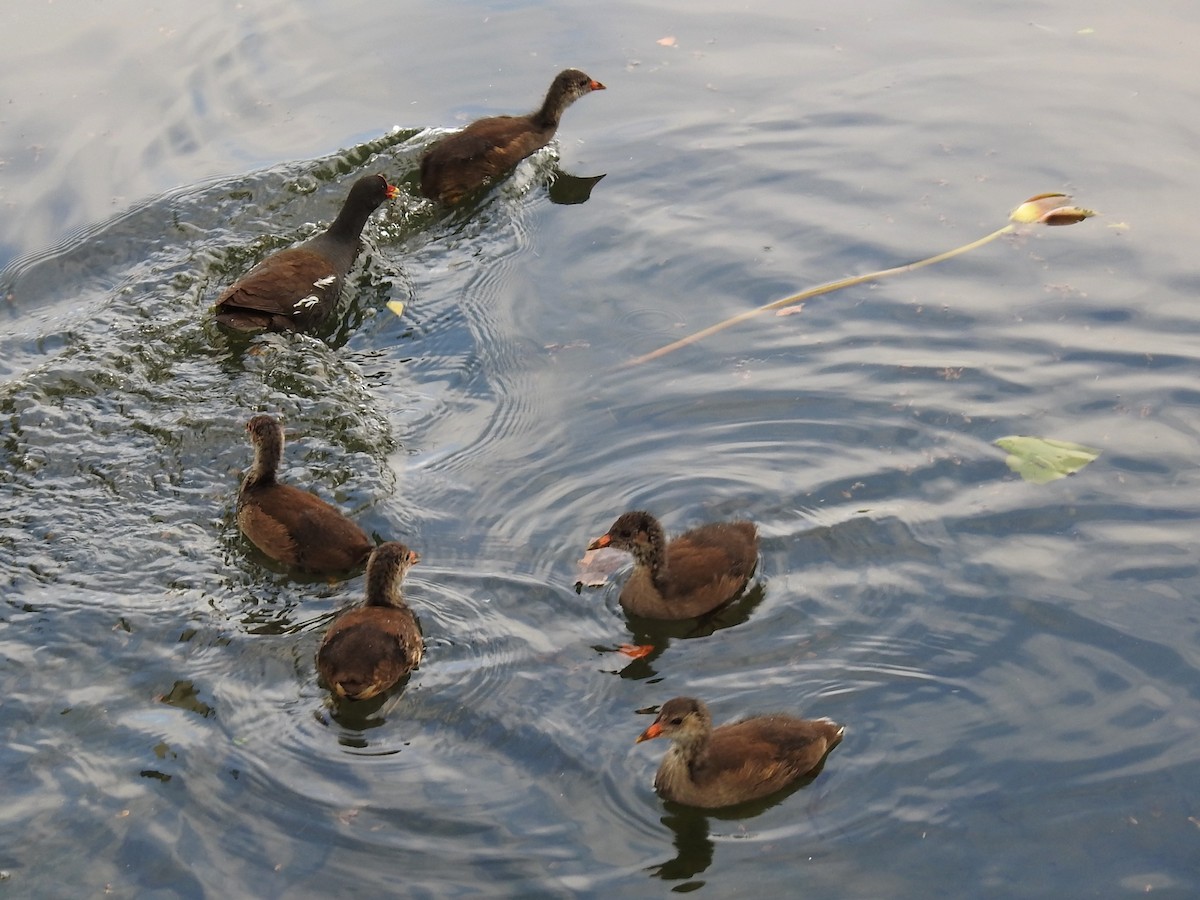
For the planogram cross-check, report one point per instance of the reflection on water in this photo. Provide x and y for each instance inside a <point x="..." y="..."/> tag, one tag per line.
<point x="1015" y="664"/>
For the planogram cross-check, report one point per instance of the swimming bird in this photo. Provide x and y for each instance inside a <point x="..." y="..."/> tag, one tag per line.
<point x="461" y="163"/>
<point x="369" y="648"/>
<point x="288" y="524"/>
<point x="297" y="288"/>
<point x="736" y="762"/>
<point x="695" y="573"/>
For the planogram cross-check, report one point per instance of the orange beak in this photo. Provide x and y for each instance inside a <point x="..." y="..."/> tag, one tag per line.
<point x="596" y="86"/>
<point x="603" y="541"/>
<point x="655" y="730"/>
<point x="392" y="191"/>
<point x="413" y="557"/>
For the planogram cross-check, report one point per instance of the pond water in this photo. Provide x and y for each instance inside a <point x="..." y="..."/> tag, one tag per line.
<point x="1016" y="664"/>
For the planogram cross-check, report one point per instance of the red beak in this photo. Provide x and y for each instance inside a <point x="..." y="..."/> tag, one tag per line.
<point x="655" y="730"/>
<point x="603" y="541"/>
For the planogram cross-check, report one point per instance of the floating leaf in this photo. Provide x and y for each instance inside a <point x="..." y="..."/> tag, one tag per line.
<point x="396" y="306"/>
<point x="668" y="41"/>
<point x="1049" y="209"/>
<point x="1040" y="460"/>
<point x="183" y="695"/>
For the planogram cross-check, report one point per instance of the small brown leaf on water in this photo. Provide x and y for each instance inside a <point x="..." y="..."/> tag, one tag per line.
<point x="1065" y="215"/>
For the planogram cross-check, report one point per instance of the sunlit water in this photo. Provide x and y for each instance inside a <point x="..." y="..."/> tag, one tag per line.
<point x="1016" y="664"/>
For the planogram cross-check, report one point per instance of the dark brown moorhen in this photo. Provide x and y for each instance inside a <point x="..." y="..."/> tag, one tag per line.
<point x="693" y="574"/>
<point x="739" y="761"/>
<point x="369" y="648"/>
<point x="463" y="162"/>
<point x="290" y="525"/>
<point x="295" y="289"/>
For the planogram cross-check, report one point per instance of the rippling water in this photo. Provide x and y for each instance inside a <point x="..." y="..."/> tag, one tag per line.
<point x="1016" y="664"/>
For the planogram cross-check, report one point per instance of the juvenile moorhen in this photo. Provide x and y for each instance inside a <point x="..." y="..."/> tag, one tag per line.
<point x="369" y="648"/>
<point x="692" y="575"/>
<point x="288" y="524"/>
<point x="295" y="289"/>
<point x="487" y="148"/>
<point x="736" y="762"/>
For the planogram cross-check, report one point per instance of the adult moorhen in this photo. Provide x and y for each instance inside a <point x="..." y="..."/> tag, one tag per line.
<point x="487" y="148"/>
<point x="369" y="648"/>
<point x="736" y="762"/>
<point x="288" y="524"/>
<point x="692" y="575"/>
<point x="295" y="289"/>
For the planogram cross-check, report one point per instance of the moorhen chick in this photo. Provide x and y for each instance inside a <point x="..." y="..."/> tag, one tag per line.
<point x="736" y="762"/>
<point x="692" y="575"/>
<point x="288" y="524"/>
<point x="369" y="648"/>
<point x="487" y="148"/>
<point x="295" y="289"/>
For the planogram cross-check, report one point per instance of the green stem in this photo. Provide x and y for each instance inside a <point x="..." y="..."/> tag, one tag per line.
<point x="813" y="292"/>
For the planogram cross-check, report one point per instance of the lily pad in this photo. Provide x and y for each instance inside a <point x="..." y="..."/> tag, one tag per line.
<point x="1040" y="460"/>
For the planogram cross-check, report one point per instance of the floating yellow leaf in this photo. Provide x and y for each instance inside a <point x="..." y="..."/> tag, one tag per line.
<point x="1040" y="460"/>
<point x="1049" y="209"/>
<point x="396" y="306"/>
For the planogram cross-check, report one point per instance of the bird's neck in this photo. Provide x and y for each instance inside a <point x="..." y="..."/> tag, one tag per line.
<point x="551" y="112"/>
<point x="652" y="555"/>
<point x="383" y="587"/>
<point x="350" y="222"/>
<point x="688" y="753"/>
<point x="265" y="466"/>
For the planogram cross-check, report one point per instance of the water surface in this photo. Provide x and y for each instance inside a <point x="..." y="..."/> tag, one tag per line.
<point x="1016" y="664"/>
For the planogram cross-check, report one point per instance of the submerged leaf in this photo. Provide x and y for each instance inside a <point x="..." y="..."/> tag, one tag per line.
<point x="1040" y="460"/>
<point x="396" y="306"/>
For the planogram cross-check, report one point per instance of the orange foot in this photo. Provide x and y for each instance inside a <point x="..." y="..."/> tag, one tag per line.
<point x="636" y="651"/>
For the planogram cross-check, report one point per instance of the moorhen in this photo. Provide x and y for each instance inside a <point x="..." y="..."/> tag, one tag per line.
<point x="692" y="575"/>
<point x="288" y="524"/>
<point x="295" y="289"/>
<point x="459" y="164"/>
<point x="739" y="761"/>
<point x="369" y="648"/>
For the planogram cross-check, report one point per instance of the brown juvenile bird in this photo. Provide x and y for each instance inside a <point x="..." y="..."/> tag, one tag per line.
<point x="288" y="524"/>
<point x="487" y="148"/>
<point x="295" y="289"/>
<point x="692" y="575"/>
<point x="369" y="648"/>
<point x="737" y="762"/>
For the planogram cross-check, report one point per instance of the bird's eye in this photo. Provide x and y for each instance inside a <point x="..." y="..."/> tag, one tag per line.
<point x="678" y="720"/>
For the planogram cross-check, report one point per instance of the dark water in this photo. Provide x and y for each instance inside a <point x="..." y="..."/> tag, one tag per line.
<point x="1016" y="664"/>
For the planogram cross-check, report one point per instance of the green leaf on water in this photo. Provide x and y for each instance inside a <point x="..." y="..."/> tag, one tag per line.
<point x="1044" y="459"/>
